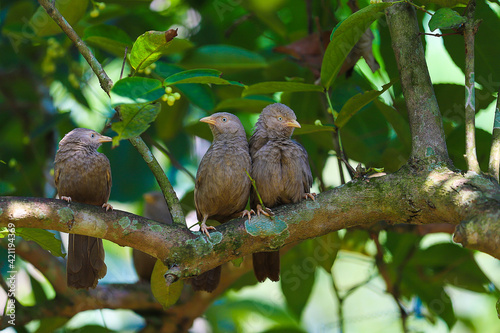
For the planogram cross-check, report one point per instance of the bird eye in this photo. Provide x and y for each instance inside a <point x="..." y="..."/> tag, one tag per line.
<point x="92" y="135"/>
<point x="280" y="118"/>
<point x="224" y="119"/>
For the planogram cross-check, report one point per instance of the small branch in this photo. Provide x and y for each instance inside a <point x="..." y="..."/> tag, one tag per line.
<point x="52" y="11"/>
<point x="470" y="95"/>
<point x="494" y="166"/>
<point x="439" y="35"/>
<point x="171" y="157"/>
<point x="168" y="191"/>
<point x="340" y="301"/>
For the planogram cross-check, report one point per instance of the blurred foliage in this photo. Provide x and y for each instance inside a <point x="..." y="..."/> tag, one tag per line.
<point x="238" y="56"/>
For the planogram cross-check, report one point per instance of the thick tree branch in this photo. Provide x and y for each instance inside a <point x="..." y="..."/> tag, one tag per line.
<point x="470" y="92"/>
<point x="428" y="141"/>
<point x="413" y="195"/>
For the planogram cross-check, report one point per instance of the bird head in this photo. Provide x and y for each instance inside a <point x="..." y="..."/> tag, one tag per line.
<point x="278" y="120"/>
<point x="83" y="137"/>
<point x="224" y="124"/>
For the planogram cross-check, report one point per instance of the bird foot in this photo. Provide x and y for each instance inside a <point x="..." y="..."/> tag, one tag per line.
<point x="68" y="199"/>
<point x="107" y="206"/>
<point x="248" y="213"/>
<point x="310" y="196"/>
<point x="267" y="211"/>
<point x="204" y="228"/>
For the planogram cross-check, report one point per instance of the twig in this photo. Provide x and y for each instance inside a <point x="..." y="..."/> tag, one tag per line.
<point x="418" y="7"/>
<point x="124" y="61"/>
<point x="52" y="11"/>
<point x="494" y="167"/>
<point x="106" y="84"/>
<point x="165" y="186"/>
<point x="171" y="157"/>
<point x="438" y="35"/>
<point x="340" y="300"/>
<point x="258" y="195"/>
<point x="470" y="95"/>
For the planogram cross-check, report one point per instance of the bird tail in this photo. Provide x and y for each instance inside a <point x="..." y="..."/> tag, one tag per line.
<point x="85" y="261"/>
<point x="266" y="265"/>
<point x="207" y="281"/>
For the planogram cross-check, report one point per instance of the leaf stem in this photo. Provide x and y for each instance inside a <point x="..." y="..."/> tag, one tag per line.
<point x="256" y="191"/>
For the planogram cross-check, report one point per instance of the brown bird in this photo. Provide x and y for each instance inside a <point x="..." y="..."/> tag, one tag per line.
<point x="155" y="208"/>
<point x="280" y="168"/>
<point x="82" y="174"/>
<point x="222" y="186"/>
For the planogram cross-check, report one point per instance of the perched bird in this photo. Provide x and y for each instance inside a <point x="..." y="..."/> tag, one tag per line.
<point x="222" y="185"/>
<point x="82" y="174"/>
<point x="280" y="168"/>
<point x="155" y="208"/>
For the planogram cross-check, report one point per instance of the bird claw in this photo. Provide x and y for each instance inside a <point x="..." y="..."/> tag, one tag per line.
<point x="204" y="228"/>
<point x="310" y="196"/>
<point x="68" y="199"/>
<point x="248" y="213"/>
<point x="268" y="212"/>
<point x="107" y="206"/>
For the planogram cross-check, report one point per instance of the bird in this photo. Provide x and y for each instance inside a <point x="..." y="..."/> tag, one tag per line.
<point x="81" y="174"/>
<point x="222" y="185"/>
<point x="280" y="169"/>
<point x="155" y="208"/>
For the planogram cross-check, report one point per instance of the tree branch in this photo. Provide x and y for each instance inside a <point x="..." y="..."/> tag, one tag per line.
<point x="470" y="93"/>
<point x="412" y="195"/>
<point x="494" y="166"/>
<point x="428" y="141"/>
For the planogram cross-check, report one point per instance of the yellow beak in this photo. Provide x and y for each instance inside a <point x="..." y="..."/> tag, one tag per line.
<point x="293" y="123"/>
<point x="105" y="139"/>
<point x="208" y="120"/>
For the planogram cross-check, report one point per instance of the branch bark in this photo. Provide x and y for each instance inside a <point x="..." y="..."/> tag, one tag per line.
<point x="412" y="195"/>
<point x="426" y="124"/>
<point x="494" y="165"/>
<point x="470" y="92"/>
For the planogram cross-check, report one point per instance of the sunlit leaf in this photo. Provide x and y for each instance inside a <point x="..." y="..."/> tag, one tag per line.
<point x="445" y="18"/>
<point x="345" y="37"/>
<point x="135" y="119"/>
<point x="250" y="104"/>
<point x="149" y="47"/>
<point x="165" y="295"/>
<point x="131" y="90"/>
<point x="306" y="129"/>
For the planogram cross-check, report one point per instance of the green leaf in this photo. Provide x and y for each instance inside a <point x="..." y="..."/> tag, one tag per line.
<point x="132" y="90"/>
<point x="397" y="121"/>
<point x="223" y="58"/>
<point x="307" y="129"/>
<point x="298" y="274"/>
<point x="51" y="324"/>
<point x="44" y="238"/>
<point x="446" y="18"/>
<point x="108" y="38"/>
<point x="37" y="290"/>
<point x="253" y="104"/>
<point x="43" y="25"/>
<point x="355" y="103"/>
<point x="326" y="249"/>
<point x="135" y="119"/>
<point x="149" y="47"/>
<point x="199" y="76"/>
<point x="443" y="3"/>
<point x="345" y="37"/>
<point x="6" y="188"/>
<point x="276" y="86"/>
<point x="165" y="295"/>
